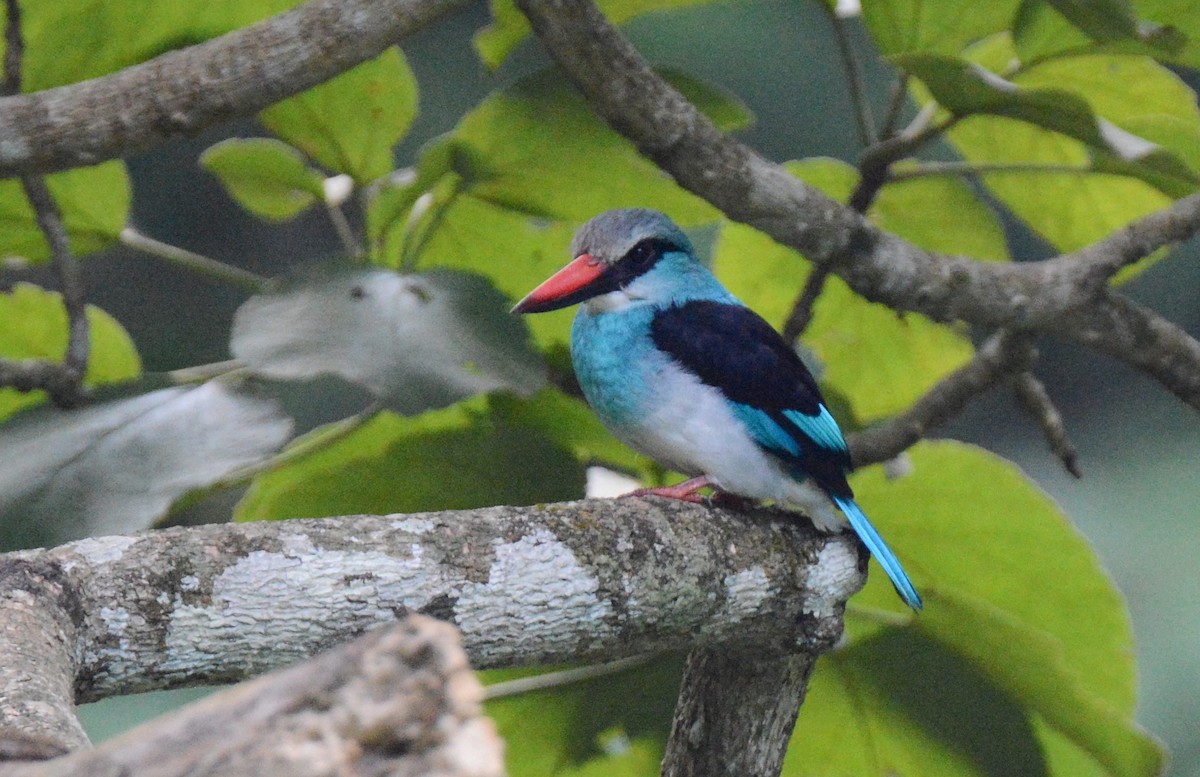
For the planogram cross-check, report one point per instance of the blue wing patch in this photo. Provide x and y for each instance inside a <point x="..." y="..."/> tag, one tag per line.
<point x="764" y="430"/>
<point x="821" y="428"/>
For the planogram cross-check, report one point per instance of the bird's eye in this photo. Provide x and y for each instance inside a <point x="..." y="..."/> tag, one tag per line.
<point x="642" y="254"/>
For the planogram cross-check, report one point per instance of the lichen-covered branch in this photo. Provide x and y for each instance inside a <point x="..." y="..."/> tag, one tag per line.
<point x="400" y="700"/>
<point x="1042" y="296"/>
<point x="581" y="581"/>
<point x="181" y="92"/>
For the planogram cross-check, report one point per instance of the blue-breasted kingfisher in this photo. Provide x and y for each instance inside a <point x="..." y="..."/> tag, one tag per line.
<point x="680" y="370"/>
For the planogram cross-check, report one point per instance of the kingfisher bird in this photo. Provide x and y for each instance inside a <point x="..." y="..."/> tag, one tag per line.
<point x="680" y="370"/>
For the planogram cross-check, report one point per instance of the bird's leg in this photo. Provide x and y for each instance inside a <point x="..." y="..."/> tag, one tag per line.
<point x="685" y="491"/>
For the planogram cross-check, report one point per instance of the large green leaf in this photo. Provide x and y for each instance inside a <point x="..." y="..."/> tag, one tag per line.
<point x="94" y="202"/>
<point x="501" y="150"/>
<point x="509" y="26"/>
<point x="899" y="26"/>
<point x="1014" y="599"/>
<point x="267" y="177"/>
<point x="1073" y="209"/>
<point x="349" y="124"/>
<point x="880" y="361"/>
<point x="33" y="325"/>
<point x="460" y="457"/>
<point x="1080" y="98"/>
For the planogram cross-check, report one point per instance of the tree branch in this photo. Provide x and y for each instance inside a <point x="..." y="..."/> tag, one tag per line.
<point x="401" y="700"/>
<point x="583" y="581"/>
<point x="736" y="712"/>
<point x="1046" y="296"/>
<point x="1000" y="355"/>
<point x="184" y="91"/>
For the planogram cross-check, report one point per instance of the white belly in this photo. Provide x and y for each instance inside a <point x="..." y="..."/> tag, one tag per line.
<point x="688" y="426"/>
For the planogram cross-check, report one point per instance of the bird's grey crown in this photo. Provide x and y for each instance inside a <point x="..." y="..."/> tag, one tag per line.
<point x="611" y="235"/>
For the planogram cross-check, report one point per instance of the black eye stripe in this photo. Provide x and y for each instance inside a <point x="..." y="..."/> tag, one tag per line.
<point x="639" y="259"/>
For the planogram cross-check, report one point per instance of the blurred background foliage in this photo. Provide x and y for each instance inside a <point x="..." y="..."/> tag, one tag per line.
<point x="466" y="164"/>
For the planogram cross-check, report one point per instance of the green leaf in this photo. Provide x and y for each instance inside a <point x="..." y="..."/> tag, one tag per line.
<point x="1073" y="209"/>
<point x="900" y="703"/>
<point x="1031" y="666"/>
<point x="1011" y="590"/>
<point x="350" y="123"/>
<point x="1040" y="98"/>
<point x="1100" y="20"/>
<point x="94" y="202"/>
<point x="500" y="152"/>
<point x="459" y="457"/>
<point x="509" y="26"/>
<point x="879" y="361"/>
<point x="415" y="341"/>
<point x="267" y="177"/>
<point x="899" y="26"/>
<point x="615" y="724"/>
<point x="33" y="325"/>
<point x="573" y="425"/>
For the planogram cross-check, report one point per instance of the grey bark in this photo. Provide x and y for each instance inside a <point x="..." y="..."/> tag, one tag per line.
<point x="736" y="712"/>
<point x="400" y="701"/>
<point x="582" y="581"/>
<point x="183" y="91"/>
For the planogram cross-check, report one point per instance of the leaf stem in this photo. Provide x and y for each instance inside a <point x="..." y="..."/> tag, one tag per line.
<point x="550" y="680"/>
<point x="929" y="169"/>
<point x="189" y="260"/>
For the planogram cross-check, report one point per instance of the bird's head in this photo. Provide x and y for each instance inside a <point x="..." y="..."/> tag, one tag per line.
<point x="611" y="251"/>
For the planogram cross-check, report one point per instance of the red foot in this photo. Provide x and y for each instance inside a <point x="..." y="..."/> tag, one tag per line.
<point x="685" y="491"/>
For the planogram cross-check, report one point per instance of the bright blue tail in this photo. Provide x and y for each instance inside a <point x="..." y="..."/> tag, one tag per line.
<point x="879" y="549"/>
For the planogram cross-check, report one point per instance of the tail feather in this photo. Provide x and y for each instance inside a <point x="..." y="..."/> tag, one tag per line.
<point x="879" y="549"/>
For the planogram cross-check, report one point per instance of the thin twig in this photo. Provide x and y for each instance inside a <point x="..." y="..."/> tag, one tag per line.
<point x="801" y="315"/>
<point x="189" y="260"/>
<point x="895" y="105"/>
<point x="928" y="169"/>
<point x="547" y="680"/>
<point x="1004" y="353"/>
<point x="875" y="164"/>
<point x="854" y="79"/>
<point x="1034" y="398"/>
<point x="65" y="389"/>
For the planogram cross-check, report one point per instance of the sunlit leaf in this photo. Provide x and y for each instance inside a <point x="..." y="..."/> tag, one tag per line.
<point x="94" y="202"/>
<point x="117" y="466"/>
<point x="349" y="124"/>
<point x="500" y="153"/>
<point x="899" y="26"/>
<point x="266" y="177"/>
<point x="459" y="457"/>
<point x="416" y="341"/>
<point x="33" y="325"/>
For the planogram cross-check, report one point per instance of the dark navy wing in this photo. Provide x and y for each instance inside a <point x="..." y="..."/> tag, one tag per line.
<point x="731" y="348"/>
